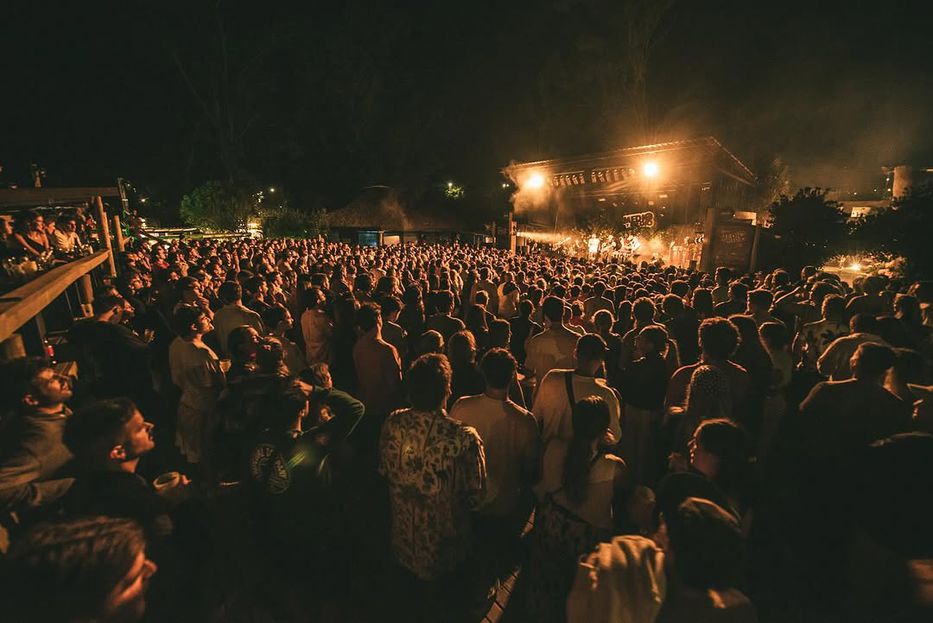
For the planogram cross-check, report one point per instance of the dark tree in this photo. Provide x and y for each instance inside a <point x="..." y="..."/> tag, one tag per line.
<point x="903" y="230"/>
<point x="808" y="227"/>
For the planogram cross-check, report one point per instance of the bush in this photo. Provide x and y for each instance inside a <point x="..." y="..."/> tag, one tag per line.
<point x="808" y="228"/>
<point x="219" y="206"/>
<point x="903" y="230"/>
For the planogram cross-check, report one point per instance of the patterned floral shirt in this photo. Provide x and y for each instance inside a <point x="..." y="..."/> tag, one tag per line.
<point x="436" y="472"/>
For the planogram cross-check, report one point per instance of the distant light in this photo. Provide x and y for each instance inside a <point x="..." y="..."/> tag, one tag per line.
<point x="650" y="169"/>
<point x="593" y="244"/>
<point x="535" y="181"/>
<point x="272" y="189"/>
<point x="505" y="185"/>
<point x="450" y="184"/>
<point x="855" y="268"/>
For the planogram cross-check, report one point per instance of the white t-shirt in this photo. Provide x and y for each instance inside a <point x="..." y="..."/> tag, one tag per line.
<point x="512" y="445"/>
<point x="552" y="406"/>
<point x="550" y="349"/>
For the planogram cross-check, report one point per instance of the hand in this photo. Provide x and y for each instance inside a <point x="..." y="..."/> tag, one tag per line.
<point x="608" y="438"/>
<point x="179" y="493"/>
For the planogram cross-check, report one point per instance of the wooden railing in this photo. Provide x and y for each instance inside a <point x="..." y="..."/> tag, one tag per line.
<point x="24" y="303"/>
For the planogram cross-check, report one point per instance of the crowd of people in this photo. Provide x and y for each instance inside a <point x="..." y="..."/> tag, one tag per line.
<point x="359" y="434"/>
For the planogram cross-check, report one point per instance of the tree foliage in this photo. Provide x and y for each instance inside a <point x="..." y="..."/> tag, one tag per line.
<point x="808" y="227"/>
<point x="218" y="206"/>
<point x="904" y="230"/>
<point x="286" y="222"/>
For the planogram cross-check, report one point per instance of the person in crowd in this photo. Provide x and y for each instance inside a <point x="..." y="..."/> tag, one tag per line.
<point x="579" y="488"/>
<point x="508" y="295"/>
<point x="523" y="327"/>
<point x="859" y="410"/>
<point x="233" y="314"/>
<point x="871" y="301"/>
<point x="909" y="369"/>
<point x="561" y="388"/>
<point x="65" y="238"/>
<point x="753" y="357"/>
<point x="378" y="367"/>
<point x="737" y="301"/>
<point x="500" y="333"/>
<point x="33" y="457"/>
<point x="29" y="237"/>
<point x="602" y="326"/>
<point x="512" y="447"/>
<point x="709" y="396"/>
<point x="279" y="323"/>
<point x="720" y="293"/>
<point x="759" y="306"/>
<point x="553" y="347"/>
<point x="598" y="301"/>
<point x="435" y="468"/>
<point x="430" y="342"/>
<point x="392" y="332"/>
<point x="476" y="322"/>
<point x="815" y="337"/>
<point x="834" y="362"/>
<point x="443" y="321"/>
<point x="486" y="285"/>
<point x="643" y="387"/>
<point x="719" y="339"/>
<point x="412" y="317"/>
<point x="242" y="344"/>
<point x="466" y="380"/>
<point x="196" y="372"/>
<point x="683" y="326"/>
<point x="317" y="328"/>
<point x="97" y="569"/>
<point x="702" y="303"/>
<point x="774" y="338"/>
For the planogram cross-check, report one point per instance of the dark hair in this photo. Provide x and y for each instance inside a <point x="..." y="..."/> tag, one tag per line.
<point x="673" y="305"/>
<point x="864" y="323"/>
<point x="590" y="421"/>
<point x="656" y="335"/>
<point x="390" y="305"/>
<point x="312" y="297"/>
<point x="185" y="316"/>
<point x="703" y="301"/>
<point x="367" y="317"/>
<point x="230" y="292"/>
<point x="643" y="310"/>
<point x="719" y="337"/>
<point x="874" y="359"/>
<point x="761" y="298"/>
<point x="909" y="365"/>
<point x="97" y="427"/>
<point x="481" y="298"/>
<point x="236" y="339"/>
<point x="106" y="302"/>
<point x="728" y="442"/>
<point x="834" y="306"/>
<point x="525" y="308"/>
<point x="461" y="349"/>
<point x="430" y="341"/>
<point x="427" y="382"/>
<point x="288" y="399"/>
<point x="498" y="368"/>
<point x="444" y="300"/>
<point x="499" y="332"/>
<point x="774" y="334"/>
<point x="78" y="561"/>
<point x="20" y="379"/>
<point x="553" y="309"/>
<point x="272" y="316"/>
<point x="270" y="356"/>
<point x="707" y="544"/>
<point x="591" y="347"/>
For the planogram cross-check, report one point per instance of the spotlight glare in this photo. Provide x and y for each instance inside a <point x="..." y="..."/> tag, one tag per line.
<point x="535" y="181"/>
<point x="650" y="169"/>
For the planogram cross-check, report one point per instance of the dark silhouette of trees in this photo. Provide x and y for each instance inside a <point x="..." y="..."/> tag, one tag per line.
<point x="808" y="228"/>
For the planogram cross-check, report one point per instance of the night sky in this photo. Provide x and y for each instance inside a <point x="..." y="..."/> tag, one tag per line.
<point x="325" y="98"/>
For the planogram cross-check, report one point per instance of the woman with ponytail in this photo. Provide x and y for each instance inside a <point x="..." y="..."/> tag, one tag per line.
<point x="575" y="511"/>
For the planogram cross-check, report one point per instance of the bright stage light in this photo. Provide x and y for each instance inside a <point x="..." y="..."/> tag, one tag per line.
<point x="650" y="169"/>
<point x="856" y="267"/>
<point x="535" y="181"/>
<point x="592" y="245"/>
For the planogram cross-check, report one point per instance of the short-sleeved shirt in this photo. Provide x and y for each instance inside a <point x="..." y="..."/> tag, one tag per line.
<point x="511" y="443"/>
<point x="552" y="406"/>
<point x="436" y="472"/>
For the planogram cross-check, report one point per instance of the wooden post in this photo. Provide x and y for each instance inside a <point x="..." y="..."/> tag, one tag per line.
<point x="86" y="292"/>
<point x="105" y="234"/>
<point x="118" y="233"/>
<point x="753" y="263"/>
<point x="12" y="348"/>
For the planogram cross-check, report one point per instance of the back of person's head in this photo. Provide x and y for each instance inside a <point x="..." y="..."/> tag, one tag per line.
<point x="390" y="305"/>
<point x="599" y="288"/>
<point x="774" y="335"/>
<point x="834" y="307"/>
<point x="656" y="337"/>
<point x="427" y="382"/>
<point x="500" y="332"/>
<point x="872" y="360"/>
<point x="253" y="285"/>
<point x="738" y="291"/>
<point x="864" y="323"/>
<point x="481" y="298"/>
<point x="907" y="306"/>
<point x="719" y="338"/>
<point x="498" y="368"/>
<point x="288" y="401"/>
<point x="680" y="288"/>
<point x="95" y="430"/>
<point x="703" y="300"/>
<point x="475" y="318"/>
<point x="706" y="544"/>
<point x="748" y="330"/>
<point x="760" y="300"/>
<point x="317" y="374"/>
<point x="728" y="443"/>
<point x="86" y="569"/>
<point x="909" y="366"/>
<point x="602" y="320"/>
<point x="461" y="349"/>
<point x="525" y="308"/>
<point x="873" y="285"/>
<point x="230" y="292"/>
<point x="430" y="341"/>
<point x="553" y="309"/>
<point x="673" y="305"/>
<point x="368" y="317"/>
<point x="444" y="299"/>
<point x="591" y="348"/>
<point x="723" y="275"/>
<point x="643" y="310"/>
<point x="363" y="283"/>
<point x="312" y="297"/>
<point x="590" y="422"/>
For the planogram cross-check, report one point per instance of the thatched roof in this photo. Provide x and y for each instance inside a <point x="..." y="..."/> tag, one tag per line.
<point x="382" y="208"/>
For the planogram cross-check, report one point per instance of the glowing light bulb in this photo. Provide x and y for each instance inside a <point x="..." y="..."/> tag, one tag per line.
<point x="650" y="169"/>
<point x="535" y="181"/>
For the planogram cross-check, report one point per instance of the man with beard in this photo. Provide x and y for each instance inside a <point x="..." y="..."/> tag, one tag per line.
<point x="32" y="454"/>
